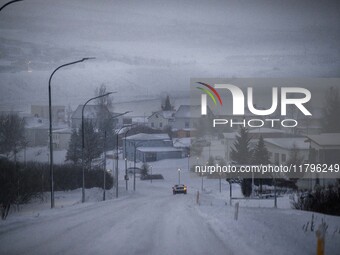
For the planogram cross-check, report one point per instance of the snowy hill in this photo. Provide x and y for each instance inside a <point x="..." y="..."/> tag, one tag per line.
<point x="145" y="48"/>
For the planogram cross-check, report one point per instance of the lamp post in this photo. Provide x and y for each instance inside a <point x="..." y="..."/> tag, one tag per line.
<point x="134" y="164"/>
<point x="179" y="175"/>
<point x="125" y="156"/>
<point x="188" y="162"/>
<point x="220" y="181"/>
<point x="83" y="144"/>
<point x="151" y="174"/>
<point x="10" y="2"/>
<point x="50" y="128"/>
<point x="104" y="180"/>
<point x="116" y="172"/>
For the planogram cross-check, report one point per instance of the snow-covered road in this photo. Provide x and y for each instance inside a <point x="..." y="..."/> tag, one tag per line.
<point x="152" y="223"/>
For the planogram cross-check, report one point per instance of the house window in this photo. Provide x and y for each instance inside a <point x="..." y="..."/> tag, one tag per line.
<point x="161" y="124"/>
<point x="186" y="124"/>
<point x="152" y="124"/>
<point x="283" y="158"/>
<point x="277" y="158"/>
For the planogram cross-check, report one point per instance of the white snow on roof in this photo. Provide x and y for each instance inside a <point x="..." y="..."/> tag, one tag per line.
<point x="158" y="149"/>
<point x="265" y="130"/>
<point x="63" y="131"/>
<point x="188" y="111"/>
<point x="139" y="119"/>
<point x="41" y="123"/>
<point x="36" y="122"/>
<point x="90" y="111"/>
<point x="326" y="139"/>
<point x="231" y="135"/>
<point x="164" y="114"/>
<point x="182" y="142"/>
<point x="143" y="136"/>
<point x="288" y="143"/>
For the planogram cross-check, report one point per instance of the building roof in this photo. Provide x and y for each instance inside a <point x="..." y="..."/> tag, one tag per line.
<point x="158" y="149"/>
<point x="143" y="136"/>
<point x="63" y="131"/>
<point x="90" y="111"/>
<point x="231" y="135"/>
<point x="326" y="139"/>
<point x="288" y="143"/>
<point x="188" y="111"/>
<point x="164" y="114"/>
<point x="265" y="130"/>
<point x="182" y="142"/>
<point x="42" y="123"/>
<point x="36" y="123"/>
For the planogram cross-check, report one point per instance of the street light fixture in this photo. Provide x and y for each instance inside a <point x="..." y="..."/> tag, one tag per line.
<point x="116" y="174"/>
<point x="125" y="156"/>
<point x="151" y="174"/>
<point x="104" y="179"/>
<point x="83" y="144"/>
<point x="134" y="163"/>
<point x="179" y="175"/>
<point x="10" y="2"/>
<point x="220" y="175"/>
<point x="50" y="128"/>
<point x="188" y="162"/>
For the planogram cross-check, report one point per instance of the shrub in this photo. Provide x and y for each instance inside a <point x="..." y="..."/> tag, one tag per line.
<point x="21" y="183"/>
<point x="322" y="200"/>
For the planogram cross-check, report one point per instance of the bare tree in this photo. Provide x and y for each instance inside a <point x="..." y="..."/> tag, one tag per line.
<point x="107" y="101"/>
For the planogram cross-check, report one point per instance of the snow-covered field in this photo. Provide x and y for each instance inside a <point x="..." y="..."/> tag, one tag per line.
<point x="41" y="154"/>
<point x="153" y="221"/>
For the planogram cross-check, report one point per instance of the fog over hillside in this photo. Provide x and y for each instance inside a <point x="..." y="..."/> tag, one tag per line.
<point x="146" y="48"/>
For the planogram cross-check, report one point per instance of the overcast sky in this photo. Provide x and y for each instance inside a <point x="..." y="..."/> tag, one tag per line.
<point x="149" y="47"/>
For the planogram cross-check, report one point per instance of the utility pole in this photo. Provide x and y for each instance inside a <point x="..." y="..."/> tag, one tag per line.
<point x="104" y="183"/>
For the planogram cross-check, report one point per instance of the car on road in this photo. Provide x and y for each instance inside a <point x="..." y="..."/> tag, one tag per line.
<point x="179" y="188"/>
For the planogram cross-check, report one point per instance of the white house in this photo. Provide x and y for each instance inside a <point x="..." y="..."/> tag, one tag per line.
<point x="254" y="134"/>
<point x="161" y="119"/>
<point x="187" y="120"/>
<point x="61" y="138"/>
<point x="326" y="147"/>
<point x="279" y="148"/>
<point x="150" y="147"/>
<point x="42" y="111"/>
<point x="91" y="112"/>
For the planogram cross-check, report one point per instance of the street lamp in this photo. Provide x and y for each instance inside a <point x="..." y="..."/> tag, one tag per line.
<point x="179" y="175"/>
<point x="50" y="118"/>
<point x="151" y="174"/>
<point x="116" y="174"/>
<point x="83" y="144"/>
<point x="134" y="163"/>
<point x="220" y="174"/>
<point x="125" y="156"/>
<point x="104" y="180"/>
<point x="188" y="162"/>
<point x="10" y="2"/>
